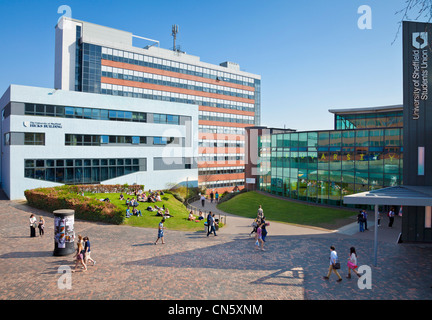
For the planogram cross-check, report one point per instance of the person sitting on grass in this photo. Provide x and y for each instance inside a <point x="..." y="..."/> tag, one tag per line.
<point x="128" y="213"/>
<point x="166" y="214"/>
<point x="200" y="215"/>
<point x="159" y="212"/>
<point x="121" y="196"/>
<point x="191" y="217"/>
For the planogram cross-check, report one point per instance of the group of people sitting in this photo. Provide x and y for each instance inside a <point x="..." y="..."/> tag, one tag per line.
<point x="161" y="212"/>
<point x="196" y="219"/>
<point x="134" y="212"/>
<point x="142" y="197"/>
<point x="154" y="196"/>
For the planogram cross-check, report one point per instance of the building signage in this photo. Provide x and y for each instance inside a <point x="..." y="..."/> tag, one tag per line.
<point x="35" y="124"/>
<point x="419" y="76"/>
<point x="417" y="112"/>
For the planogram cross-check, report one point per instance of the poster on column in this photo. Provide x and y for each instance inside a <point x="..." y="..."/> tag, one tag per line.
<point x="64" y="230"/>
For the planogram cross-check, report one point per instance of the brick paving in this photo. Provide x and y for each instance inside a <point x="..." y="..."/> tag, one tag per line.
<point x="191" y="266"/>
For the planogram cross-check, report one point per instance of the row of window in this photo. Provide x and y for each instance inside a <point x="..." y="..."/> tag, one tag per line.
<point x="163" y="64"/>
<point x="145" y="77"/>
<point x="78" y="58"/>
<point x="97" y="140"/>
<point x="321" y="191"/>
<point x="213" y="171"/>
<point x="365" y="137"/>
<point x="126" y="91"/>
<point x="376" y="175"/>
<point x="24" y="138"/>
<point x="225" y="117"/>
<point x="76" y="171"/>
<point x="55" y="163"/>
<point x="221" y="129"/>
<point x="91" y="68"/>
<point x="223" y="183"/>
<point x="38" y="138"/>
<point x="210" y="157"/>
<point x="221" y="143"/>
<point x="370" y="120"/>
<point x="96" y="114"/>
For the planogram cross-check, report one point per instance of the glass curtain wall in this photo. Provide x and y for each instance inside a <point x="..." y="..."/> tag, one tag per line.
<point x="324" y="166"/>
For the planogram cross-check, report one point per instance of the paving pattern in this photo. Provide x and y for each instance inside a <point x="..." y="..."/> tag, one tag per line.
<point x="191" y="266"/>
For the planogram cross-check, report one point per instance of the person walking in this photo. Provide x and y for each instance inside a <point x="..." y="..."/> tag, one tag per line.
<point x="32" y="221"/>
<point x="217" y="196"/>
<point x="211" y="222"/>
<point x="41" y="226"/>
<point x="211" y="196"/>
<point x="202" y="200"/>
<point x="87" y="251"/>
<point x="260" y="213"/>
<point x="333" y="265"/>
<point x="352" y="263"/>
<point x="79" y="256"/>
<point x="365" y="219"/>
<point x="161" y="232"/>
<point x="360" y="221"/>
<point x="391" y="215"/>
<point x="379" y="217"/>
<point x="258" y="237"/>
<point x="264" y="229"/>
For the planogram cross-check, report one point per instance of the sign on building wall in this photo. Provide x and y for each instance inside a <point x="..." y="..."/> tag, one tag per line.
<point x="417" y="73"/>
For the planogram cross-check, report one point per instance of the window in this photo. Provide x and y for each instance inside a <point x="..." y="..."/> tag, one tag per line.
<point x="34" y="138"/>
<point x="97" y="114"/>
<point x="159" y="140"/>
<point x="71" y="171"/>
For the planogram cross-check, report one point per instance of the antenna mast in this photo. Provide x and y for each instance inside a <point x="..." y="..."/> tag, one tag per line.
<point x="174" y="34"/>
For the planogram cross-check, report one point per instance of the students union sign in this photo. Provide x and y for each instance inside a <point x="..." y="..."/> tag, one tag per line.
<point x="419" y="75"/>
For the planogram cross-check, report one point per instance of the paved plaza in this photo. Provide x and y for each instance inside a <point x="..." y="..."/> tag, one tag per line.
<point x="191" y="266"/>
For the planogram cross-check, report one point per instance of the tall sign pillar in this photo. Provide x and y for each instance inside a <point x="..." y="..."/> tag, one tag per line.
<point x="417" y="121"/>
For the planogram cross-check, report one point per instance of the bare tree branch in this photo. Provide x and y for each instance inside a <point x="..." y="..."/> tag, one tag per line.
<point x="422" y="9"/>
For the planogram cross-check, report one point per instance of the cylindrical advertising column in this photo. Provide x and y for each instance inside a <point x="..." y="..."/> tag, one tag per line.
<point x="64" y="234"/>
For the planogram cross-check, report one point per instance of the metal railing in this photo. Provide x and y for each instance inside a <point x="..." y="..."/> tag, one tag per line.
<point x="222" y="218"/>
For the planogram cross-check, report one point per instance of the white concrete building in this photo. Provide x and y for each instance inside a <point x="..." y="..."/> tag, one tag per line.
<point x="53" y="137"/>
<point x="98" y="59"/>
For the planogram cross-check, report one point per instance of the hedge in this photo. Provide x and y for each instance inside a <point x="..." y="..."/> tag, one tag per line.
<point x="69" y="197"/>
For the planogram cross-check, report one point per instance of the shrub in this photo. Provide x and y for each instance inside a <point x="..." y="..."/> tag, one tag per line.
<point x="68" y="197"/>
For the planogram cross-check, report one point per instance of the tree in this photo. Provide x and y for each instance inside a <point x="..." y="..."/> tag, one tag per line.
<point x="415" y="10"/>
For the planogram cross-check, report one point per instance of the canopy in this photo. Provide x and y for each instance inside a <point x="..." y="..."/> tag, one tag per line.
<point x="419" y="196"/>
<point x="400" y="195"/>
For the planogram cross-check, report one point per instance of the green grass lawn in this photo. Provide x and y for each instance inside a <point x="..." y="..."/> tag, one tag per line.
<point x="280" y="210"/>
<point x="149" y="219"/>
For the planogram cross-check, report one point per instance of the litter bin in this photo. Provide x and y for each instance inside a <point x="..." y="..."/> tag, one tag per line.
<point x="64" y="234"/>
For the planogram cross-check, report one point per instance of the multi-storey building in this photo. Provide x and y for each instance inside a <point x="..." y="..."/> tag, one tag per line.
<point x="54" y="137"/>
<point x="101" y="60"/>
<point x="364" y="152"/>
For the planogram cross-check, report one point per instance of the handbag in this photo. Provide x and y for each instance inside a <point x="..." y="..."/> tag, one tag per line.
<point x="336" y="265"/>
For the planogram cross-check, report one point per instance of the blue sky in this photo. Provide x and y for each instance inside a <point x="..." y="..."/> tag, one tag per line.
<point x="311" y="54"/>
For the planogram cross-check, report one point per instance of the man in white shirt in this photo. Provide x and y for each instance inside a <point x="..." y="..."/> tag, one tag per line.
<point x="260" y="212"/>
<point x="333" y="260"/>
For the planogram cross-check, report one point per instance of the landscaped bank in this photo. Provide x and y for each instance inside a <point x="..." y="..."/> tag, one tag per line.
<point x="90" y="203"/>
<point x="275" y="209"/>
